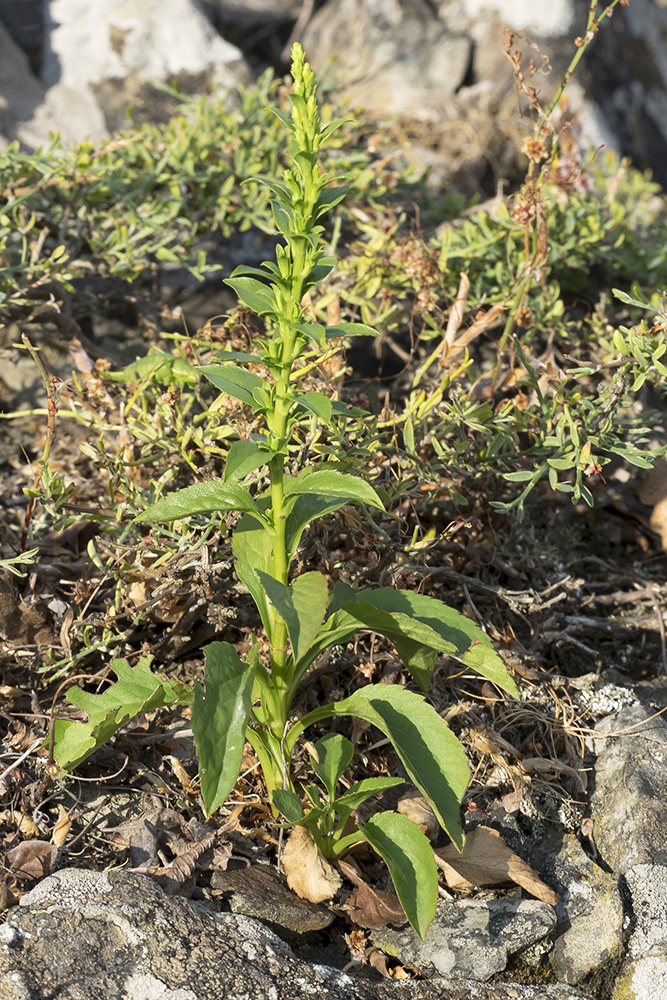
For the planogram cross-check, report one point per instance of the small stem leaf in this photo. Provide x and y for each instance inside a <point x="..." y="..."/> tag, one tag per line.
<point x="235" y="382"/>
<point x="317" y="403"/>
<point x="351" y="330"/>
<point x="254" y="294"/>
<point x="360" y="792"/>
<point x="334" y="754"/>
<point x="220" y="715"/>
<point x="243" y="458"/>
<point x="328" y="482"/>
<point x="302" y="606"/>
<point x="253" y="547"/>
<point x="431" y="754"/>
<point x="203" y="498"/>
<point x="408" y="855"/>
<point x="136" y="691"/>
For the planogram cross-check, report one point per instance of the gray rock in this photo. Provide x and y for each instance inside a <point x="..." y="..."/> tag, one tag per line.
<point x="20" y="92"/>
<point x="99" y="58"/>
<point x="394" y="57"/>
<point x="589" y="914"/>
<point x="258" y="891"/>
<point x="629" y="799"/>
<point x="647" y="885"/>
<point x="83" y="935"/>
<point x="470" y="937"/>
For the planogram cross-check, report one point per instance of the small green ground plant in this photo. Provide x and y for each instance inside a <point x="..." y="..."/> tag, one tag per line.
<point x="276" y="500"/>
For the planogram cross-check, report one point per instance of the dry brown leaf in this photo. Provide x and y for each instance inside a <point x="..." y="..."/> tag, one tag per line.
<point x="371" y="908"/>
<point x="544" y="764"/>
<point x="25" y="824"/>
<point x="308" y="872"/>
<point x="31" y="860"/>
<point x="61" y="829"/>
<point x="487" y="860"/>
<point x="653" y="492"/>
<point x="416" y="808"/>
<point x="381" y="963"/>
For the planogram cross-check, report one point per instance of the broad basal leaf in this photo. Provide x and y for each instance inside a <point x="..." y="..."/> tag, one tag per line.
<point x="302" y="606"/>
<point x="136" y="691"/>
<point x="203" y="498"/>
<point x="220" y="716"/>
<point x="471" y="645"/>
<point x="430" y="752"/>
<point x="409" y="858"/>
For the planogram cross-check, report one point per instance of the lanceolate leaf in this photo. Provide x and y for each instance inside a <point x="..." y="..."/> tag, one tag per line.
<point x="302" y="606"/>
<point x="330" y="483"/>
<point x="308" y="507"/>
<point x="136" y="691"/>
<point x="220" y="716"/>
<point x="203" y="498"/>
<point x="430" y="752"/>
<point x="253" y="547"/>
<point x="317" y="403"/>
<point x="254" y="294"/>
<point x="235" y="382"/>
<point x="472" y="646"/>
<point x="334" y="753"/>
<point x="408" y="855"/>
<point x="351" y="330"/>
<point x="243" y="458"/>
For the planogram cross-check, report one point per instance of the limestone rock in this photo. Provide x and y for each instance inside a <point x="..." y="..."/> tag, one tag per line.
<point x="20" y="92"/>
<point x="393" y="57"/>
<point x="589" y="913"/>
<point x="83" y="935"/>
<point x="629" y="799"/>
<point x="99" y="58"/>
<point x="470" y="937"/>
<point x="645" y="975"/>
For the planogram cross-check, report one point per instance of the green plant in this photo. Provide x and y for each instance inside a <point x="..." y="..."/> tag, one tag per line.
<point x="252" y="698"/>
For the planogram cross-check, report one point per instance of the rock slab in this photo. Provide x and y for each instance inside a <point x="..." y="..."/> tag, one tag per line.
<point x="84" y="935"/>
<point x="470" y="938"/>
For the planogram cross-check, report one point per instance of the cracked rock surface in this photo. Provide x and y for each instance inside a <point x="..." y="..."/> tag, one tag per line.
<point x="84" y="935"/>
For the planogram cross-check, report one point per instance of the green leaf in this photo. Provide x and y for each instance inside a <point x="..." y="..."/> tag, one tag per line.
<point x="235" y="382"/>
<point x="220" y="715"/>
<point x="360" y="792"/>
<point x="429" y="751"/>
<point x="317" y="403"/>
<point x="289" y="804"/>
<point x="333" y="484"/>
<point x="518" y="477"/>
<point x="203" y="498"/>
<point x="302" y="606"/>
<point x="308" y="507"/>
<point x="472" y="646"/>
<point x="409" y="857"/>
<point x="334" y="753"/>
<point x="243" y="458"/>
<point x="136" y="691"/>
<point x="253" y="547"/>
<point x="351" y="330"/>
<point x="254" y="294"/>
